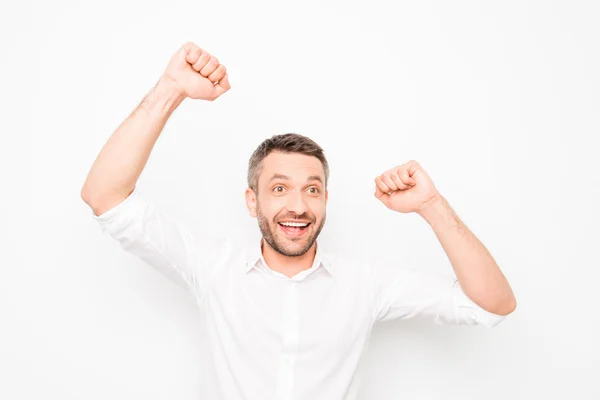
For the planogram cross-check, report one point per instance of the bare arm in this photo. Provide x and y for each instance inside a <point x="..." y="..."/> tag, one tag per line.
<point x="121" y="161"/>
<point x="408" y="188"/>
<point x="475" y="268"/>
<point x="192" y="72"/>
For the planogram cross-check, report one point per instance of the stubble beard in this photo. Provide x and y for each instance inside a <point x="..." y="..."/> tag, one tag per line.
<point x="279" y="242"/>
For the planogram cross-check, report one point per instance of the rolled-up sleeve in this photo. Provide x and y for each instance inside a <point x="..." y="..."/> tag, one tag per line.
<point x="162" y="242"/>
<point x="402" y="292"/>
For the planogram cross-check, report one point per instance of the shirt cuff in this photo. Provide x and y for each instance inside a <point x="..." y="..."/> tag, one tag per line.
<point x="111" y="219"/>
<point x="474" y="313"/>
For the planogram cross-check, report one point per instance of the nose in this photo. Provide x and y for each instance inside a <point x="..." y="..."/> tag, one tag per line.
<point x="297" y="204"/>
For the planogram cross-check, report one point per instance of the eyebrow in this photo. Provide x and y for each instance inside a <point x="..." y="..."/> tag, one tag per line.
<point x="285" y="177"/>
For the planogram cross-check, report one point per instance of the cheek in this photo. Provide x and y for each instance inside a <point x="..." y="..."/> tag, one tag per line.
<point x="270" y="211"/>
<point x="319" y="209"/>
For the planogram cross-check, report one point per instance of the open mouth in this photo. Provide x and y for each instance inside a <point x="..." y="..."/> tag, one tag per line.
<point x="294" y="230"/>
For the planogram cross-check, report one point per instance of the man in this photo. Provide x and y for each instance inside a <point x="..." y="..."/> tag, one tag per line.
<point x="284" y="319"/>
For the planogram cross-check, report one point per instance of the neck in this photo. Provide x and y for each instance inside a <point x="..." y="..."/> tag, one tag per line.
<point x="287" y="265"/>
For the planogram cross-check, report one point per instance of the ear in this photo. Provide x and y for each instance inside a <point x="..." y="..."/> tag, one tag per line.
<point x="251" y="202"/>
<point x="326" y="195"/>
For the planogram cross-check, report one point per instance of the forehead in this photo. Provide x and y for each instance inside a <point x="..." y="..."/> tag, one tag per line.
<point x="295" y="165"/>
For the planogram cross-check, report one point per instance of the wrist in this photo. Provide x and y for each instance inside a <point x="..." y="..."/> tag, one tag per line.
<point x="432" y="207"/>
<point x="165" y="96"/>
<point x="171" y="86"/>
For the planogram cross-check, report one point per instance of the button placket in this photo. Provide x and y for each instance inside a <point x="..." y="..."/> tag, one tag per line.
<point x="285" y="376"/>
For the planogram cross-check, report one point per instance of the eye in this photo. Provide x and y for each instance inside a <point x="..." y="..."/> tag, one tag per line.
<point x="316" y="189"/>
<point x="279" y="186"/>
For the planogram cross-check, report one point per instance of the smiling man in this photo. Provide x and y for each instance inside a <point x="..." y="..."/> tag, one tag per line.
<point x="289" y="172"/>
<point x="284" y="318"/>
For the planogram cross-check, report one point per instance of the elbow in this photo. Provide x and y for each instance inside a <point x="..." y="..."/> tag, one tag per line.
<point x="86" y="192"/>
<point x="502" y="307"/>
<point x="512" y="305"/>
<point x="506" y="307"/>
<point x="102" y="203"/>
<point x="89" y="199"/>
<point x="84" y="195"/>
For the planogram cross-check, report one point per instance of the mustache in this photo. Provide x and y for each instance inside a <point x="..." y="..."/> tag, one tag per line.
<point x="302" y="217"/>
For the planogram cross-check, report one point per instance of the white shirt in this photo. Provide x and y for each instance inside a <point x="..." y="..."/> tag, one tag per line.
<point x="266" y="336"/>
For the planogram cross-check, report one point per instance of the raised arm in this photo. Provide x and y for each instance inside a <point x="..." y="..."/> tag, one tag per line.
<point x="192" y="72"/>
<point x="408" y="188"/>
<point x="110" y="189"/>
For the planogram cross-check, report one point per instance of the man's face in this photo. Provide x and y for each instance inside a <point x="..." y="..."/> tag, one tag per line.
<point x="289" y="189"/>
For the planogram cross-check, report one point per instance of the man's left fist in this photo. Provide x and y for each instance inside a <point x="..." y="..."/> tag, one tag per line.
<point x="405" y="188"/>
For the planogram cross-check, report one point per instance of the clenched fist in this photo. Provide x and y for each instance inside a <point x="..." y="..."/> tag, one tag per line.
<point x="197" y="73"/>
<point x="405" y="188"/>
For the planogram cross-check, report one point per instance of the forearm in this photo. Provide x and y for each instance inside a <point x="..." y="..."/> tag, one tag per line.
<point x="119" y="164"/>
<point x="479" y="275"/>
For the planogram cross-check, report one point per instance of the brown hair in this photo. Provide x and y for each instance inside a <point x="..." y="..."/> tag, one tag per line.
<point x="286" y="143"/>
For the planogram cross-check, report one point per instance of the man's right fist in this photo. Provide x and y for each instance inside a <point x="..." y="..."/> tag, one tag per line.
<point x="197" y="73"/>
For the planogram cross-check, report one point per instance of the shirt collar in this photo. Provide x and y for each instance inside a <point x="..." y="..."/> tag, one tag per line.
<point x="254" y="254"/>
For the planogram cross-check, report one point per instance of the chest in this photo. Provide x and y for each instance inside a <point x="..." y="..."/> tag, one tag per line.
<point x="263" y="316"/>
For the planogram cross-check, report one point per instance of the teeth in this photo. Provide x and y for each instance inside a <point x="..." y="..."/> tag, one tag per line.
<point x="296" y="224"/>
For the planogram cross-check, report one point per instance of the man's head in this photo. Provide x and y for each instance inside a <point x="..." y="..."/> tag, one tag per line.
<point x="287" y="181"/>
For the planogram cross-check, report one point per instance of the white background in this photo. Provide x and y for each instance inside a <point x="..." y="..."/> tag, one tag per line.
<point x="498" y="101"/>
